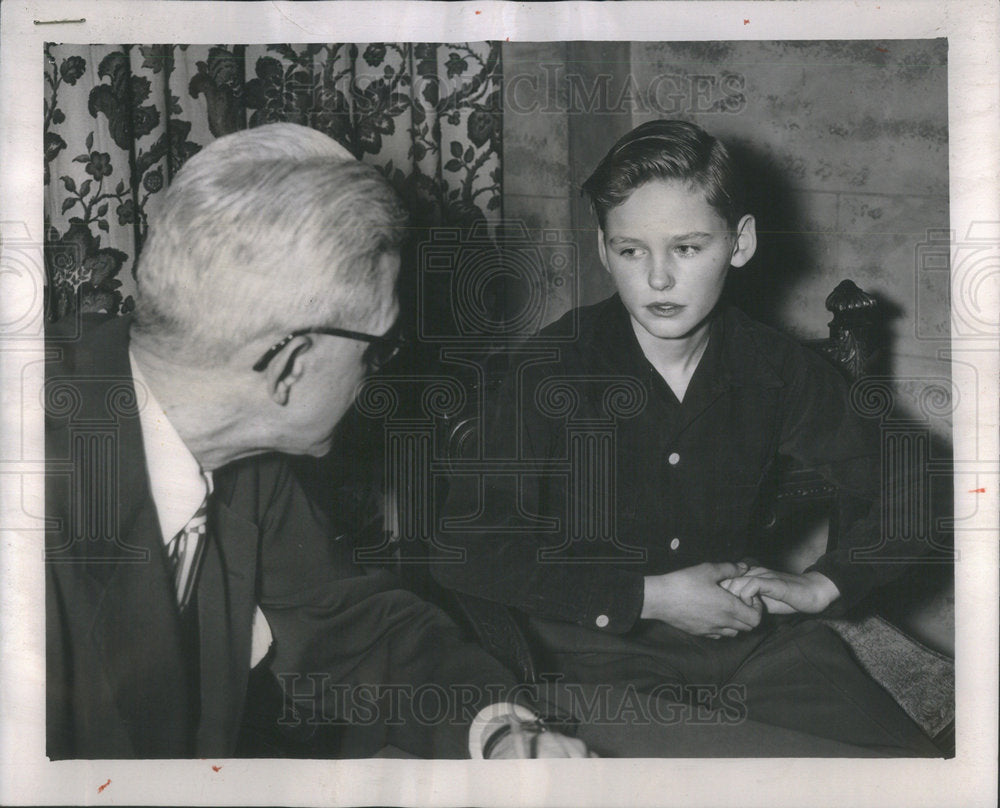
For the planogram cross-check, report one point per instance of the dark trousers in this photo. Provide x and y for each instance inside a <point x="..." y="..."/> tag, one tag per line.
<point x="790" y="688"/>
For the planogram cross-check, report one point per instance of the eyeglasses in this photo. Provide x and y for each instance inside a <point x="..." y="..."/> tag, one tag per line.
<point x="379" y="352"/>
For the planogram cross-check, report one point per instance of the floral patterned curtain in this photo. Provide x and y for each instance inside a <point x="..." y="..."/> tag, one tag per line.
<point x="120" y="120"/>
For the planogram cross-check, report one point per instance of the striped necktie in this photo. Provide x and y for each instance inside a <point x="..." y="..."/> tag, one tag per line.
<point x="185" y="551"/>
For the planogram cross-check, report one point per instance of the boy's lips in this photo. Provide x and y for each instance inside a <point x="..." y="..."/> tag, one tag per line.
<point x="665" y="309"/>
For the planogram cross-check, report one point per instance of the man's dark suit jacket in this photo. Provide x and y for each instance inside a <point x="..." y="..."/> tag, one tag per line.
<point x="116" y="684"/>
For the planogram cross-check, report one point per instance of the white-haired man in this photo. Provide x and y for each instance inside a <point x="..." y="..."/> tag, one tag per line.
<point x="182" y="551"/>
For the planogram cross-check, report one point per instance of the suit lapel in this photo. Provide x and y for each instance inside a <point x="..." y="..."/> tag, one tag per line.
<point x="226" y="602"/>
<point x="135" y="621"/>
<point x="137" y="630"/>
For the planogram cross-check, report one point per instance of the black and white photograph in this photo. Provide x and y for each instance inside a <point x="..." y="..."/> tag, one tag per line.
<point x="489" y="418"/>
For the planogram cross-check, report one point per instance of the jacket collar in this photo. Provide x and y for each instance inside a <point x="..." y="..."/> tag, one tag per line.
<point x="733" y="358"/>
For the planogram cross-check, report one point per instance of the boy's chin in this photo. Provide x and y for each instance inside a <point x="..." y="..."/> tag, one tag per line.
<point x="677" y="328"/>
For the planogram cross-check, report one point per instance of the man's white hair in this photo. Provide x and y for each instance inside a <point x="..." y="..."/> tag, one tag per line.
<point x="262" y="232"/>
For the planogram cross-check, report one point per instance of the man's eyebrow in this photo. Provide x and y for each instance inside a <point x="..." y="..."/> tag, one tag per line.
<point x="620" y="239"/>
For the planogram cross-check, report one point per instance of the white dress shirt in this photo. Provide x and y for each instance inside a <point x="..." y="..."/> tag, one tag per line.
<point x="178" y="485"/>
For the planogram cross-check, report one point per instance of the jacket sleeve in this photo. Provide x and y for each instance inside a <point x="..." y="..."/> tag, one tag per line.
<point x="823" y="430"/>
<point x="353" y="648"/>
<point x="520" y="508"/>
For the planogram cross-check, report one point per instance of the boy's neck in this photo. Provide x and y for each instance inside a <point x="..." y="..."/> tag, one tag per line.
<point x="674" y="359"/>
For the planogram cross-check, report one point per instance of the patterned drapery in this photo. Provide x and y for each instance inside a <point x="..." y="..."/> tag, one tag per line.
<point x="120" y="120"/>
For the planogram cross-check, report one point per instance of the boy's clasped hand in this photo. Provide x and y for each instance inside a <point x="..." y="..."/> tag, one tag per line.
<point x="723" y="599"/>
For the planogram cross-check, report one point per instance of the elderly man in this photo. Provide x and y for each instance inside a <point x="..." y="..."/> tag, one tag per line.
<point x="181" y="554"/>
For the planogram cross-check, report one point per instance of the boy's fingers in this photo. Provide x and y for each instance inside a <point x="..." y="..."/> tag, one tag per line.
<point x="727" y="569"/>
<point x="776" y="606"/>
<point x="744" y="617"/>
<point x="743" y="587"/>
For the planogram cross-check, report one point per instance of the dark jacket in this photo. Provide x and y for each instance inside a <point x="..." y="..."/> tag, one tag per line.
<point x="117" y="686"/>
<point x="598" y="476"/>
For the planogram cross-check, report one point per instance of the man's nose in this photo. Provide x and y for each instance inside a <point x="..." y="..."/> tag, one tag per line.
<point x="661" y="275"/>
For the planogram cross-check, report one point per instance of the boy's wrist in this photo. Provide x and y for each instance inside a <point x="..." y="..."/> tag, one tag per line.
<point x="826" y="591"/>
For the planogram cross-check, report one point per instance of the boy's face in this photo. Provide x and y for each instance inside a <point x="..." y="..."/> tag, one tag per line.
<point x="668" y="251"/>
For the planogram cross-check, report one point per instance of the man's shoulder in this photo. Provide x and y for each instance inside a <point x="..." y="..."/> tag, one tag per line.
<point x="87" y="371"/>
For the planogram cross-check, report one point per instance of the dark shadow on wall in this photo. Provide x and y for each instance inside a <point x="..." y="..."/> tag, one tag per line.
<point x="788" y="252"/>
<point x="785" y="253"/>
<point x="884" y="336"/>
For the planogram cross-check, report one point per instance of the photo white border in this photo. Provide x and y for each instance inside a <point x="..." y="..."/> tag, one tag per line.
<point x="26" y="777"/>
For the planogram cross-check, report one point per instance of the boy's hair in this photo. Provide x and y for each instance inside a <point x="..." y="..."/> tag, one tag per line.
<point x="667" y="150"/>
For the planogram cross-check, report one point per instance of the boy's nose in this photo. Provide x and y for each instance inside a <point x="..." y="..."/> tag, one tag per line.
<point x="660" y="276"/>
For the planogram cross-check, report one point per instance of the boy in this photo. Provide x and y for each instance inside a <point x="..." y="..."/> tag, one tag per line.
<point x="654" y="589"/>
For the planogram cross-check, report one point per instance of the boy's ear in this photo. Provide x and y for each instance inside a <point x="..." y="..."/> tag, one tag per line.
<point x="286" y="369"/>
<point x="602" y="251"/>
<point x="746" y="241"/>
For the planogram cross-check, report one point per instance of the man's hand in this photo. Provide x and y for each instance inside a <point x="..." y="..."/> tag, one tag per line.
<point x="506" y="731"/>
<point x="783" y="592"/>
<point x="692" y="600"/>
<point x="519" y="744"/>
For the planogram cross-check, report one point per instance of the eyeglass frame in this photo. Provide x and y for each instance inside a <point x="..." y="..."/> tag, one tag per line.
<point x="396" y="343"/>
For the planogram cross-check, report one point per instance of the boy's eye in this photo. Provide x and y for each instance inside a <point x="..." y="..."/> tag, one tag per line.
<point x="629" y="252"/>
<point x="688" y="249"/>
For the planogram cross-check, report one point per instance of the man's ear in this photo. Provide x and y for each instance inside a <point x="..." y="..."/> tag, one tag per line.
<point x="746" y="241"/>
<point x="285" y="370"/>
<point x="602" y="250"/>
